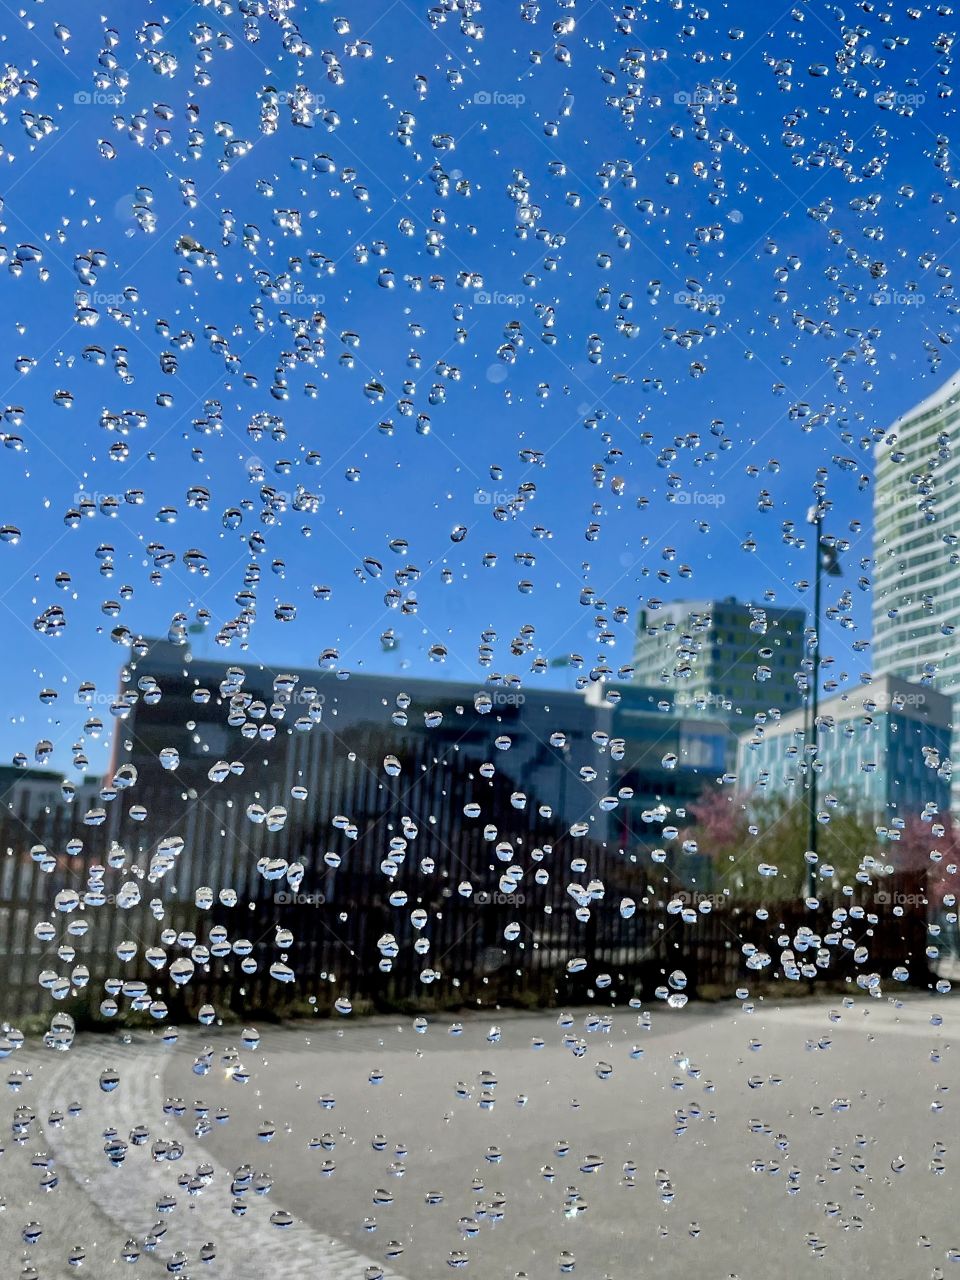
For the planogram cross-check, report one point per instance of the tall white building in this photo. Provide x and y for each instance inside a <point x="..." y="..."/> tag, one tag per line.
<point x="916" y="598"/>
<point x="916" y="511"/>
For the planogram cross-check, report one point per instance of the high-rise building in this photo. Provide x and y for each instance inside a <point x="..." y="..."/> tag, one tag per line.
<point x="916" y="505"/>
<point x="725" y="658"/>
<point x="916" y="551"/>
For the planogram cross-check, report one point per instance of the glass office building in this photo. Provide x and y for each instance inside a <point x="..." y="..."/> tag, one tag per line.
<point x="883" y="751"/>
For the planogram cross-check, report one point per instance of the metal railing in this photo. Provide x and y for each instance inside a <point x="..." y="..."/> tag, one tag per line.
<point x="545" y="942"/>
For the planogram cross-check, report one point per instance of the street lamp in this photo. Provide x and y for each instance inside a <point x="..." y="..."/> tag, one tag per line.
<point x="827" y="562"/>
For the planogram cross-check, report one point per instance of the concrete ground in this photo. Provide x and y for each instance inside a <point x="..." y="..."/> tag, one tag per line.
<point x="715" y="1143"/>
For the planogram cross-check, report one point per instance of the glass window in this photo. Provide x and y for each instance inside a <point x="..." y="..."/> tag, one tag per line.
<point x="480" y="583"/>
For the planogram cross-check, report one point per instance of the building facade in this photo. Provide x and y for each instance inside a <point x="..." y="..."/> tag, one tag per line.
<point x="617" y="763"/>
<point x="883" y="751"/>
<point x="916" y="515"/>
<point x="30" y="793"/>
<point x="662" y="759"/>
<point x="725" y="658"/>
<point x="916" y="511"/>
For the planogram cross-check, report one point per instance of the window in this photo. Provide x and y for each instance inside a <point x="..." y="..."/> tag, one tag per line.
<point x="480" y="579"/>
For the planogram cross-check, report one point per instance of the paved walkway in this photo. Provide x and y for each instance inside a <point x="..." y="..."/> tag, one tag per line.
<point x="747" y="1144"/>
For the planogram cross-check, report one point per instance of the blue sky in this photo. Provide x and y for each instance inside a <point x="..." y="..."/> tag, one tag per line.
<point x="548" y="196"/>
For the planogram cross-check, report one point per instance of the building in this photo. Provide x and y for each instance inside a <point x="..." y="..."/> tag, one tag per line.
<point x="662" y="758"/>
<point x="365" y="815"/>
<point x="229" y="754"/>
<point x="208" y="711"/>
<point x="916" y="597"/>
<point x="916" y="590"/>
<point x="883" y="751"/>
<point x="30" y="793"/>
<point x="725" y="658"/>
<point x="617" y="763"/>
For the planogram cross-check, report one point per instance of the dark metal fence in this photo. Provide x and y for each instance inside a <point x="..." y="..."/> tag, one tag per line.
<point x="529" y="947"/>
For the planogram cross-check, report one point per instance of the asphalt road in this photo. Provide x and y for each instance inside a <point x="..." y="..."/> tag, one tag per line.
<point x="810" y="1137"/>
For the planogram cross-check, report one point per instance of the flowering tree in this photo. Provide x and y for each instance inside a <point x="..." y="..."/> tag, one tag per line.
<point x="931" y="847"/>
<point x="721" y="821"/>
<point x="746" y="837"/>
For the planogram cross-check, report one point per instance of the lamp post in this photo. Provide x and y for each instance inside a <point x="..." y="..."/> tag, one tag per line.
<point x="826" y="562"/>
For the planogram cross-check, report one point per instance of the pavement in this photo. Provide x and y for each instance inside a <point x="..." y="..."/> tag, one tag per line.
<point x="710" y="1141"/>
